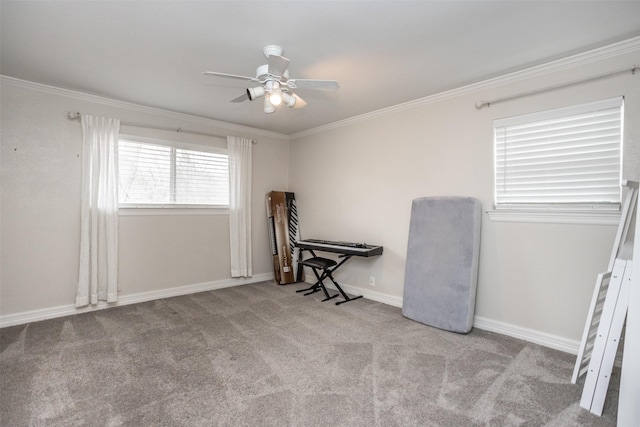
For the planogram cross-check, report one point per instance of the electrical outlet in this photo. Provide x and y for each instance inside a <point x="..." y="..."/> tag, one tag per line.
<point x="372" y="281"/>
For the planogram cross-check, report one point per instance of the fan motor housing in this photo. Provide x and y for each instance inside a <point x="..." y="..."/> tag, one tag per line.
<point x="262" y="74"/>
<point x="262" y="71"/>
<point x="272" y="49"/>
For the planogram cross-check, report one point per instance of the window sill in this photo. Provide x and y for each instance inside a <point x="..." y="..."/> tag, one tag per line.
<point x="556" y="217"/>
<point x="171" y="210"/>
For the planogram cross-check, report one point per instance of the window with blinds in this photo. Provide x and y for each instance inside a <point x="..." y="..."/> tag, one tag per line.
<point x="167" y="175"/>
<point x="568" y="158"/>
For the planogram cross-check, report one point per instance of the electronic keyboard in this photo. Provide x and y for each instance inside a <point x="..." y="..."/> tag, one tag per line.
<point x="344" y="248"/>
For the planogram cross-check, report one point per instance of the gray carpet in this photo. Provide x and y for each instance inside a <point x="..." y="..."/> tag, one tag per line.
<point x="262" y="355"/>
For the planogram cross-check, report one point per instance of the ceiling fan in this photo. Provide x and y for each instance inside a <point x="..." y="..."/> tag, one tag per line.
<point x="274" y="83"/>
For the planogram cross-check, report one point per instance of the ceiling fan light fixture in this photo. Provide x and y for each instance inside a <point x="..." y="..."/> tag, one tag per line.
<point x="268" y="107"/>
<point x="276" y="97"/>
<point x="274" y="84"/>
<point x="255" y="92"/>
<point x="288" y="100"/>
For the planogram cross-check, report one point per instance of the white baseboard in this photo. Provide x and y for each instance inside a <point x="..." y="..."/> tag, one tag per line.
<point x="537" y="337"/>
<point x="70" y="309"/>
<point x="547" y="340"/>
<point x="368" y="294"/>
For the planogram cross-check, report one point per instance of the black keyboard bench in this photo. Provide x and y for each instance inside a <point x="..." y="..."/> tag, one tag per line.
<point x="323" y="268"/>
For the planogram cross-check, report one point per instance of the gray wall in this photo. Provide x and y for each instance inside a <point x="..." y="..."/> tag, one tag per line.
<point x="40" y="203"/>
<point x="355" y="181"/>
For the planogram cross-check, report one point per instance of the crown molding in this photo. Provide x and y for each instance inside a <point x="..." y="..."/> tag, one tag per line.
<point x="569" y="62"/>
<point x="110" y="102"/>
<point x="580" y="59"/>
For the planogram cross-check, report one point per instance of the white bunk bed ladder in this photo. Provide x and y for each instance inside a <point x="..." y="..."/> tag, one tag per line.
<point x="607" y="313"/>
<point x="591" y="326"/>
<point x="607" y="338"/>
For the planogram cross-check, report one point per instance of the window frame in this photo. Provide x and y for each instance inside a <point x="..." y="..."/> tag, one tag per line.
<point x="549" y="212"/>
<point x="129" y="209"/>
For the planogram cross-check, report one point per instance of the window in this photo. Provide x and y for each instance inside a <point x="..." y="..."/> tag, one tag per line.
<point x="167" y="174"/>
<point x="567" y="159"/>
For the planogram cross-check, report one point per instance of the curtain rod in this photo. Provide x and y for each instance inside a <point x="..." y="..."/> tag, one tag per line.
<point x="76" y="115"/>
<point x="482" y="104"/>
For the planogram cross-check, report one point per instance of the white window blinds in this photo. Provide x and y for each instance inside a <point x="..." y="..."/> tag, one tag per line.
<point x="201" y="178"/>
<point x="566" y="158"/>
<point x="153" y="174"/>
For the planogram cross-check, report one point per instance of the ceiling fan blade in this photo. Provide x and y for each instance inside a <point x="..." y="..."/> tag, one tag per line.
<point x="299" y="101"/>
<point x="241" y="98"/>
<point x="313" y="84"/>
<point x="278" y="65"/>
<point x="231" y="76"/>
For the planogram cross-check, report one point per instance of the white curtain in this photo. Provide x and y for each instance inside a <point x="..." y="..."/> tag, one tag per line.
<point x="98" y="273"/>
<point x="239" y="150"/>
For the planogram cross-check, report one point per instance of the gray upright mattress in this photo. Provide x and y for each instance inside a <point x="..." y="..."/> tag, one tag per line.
<point x="442" y="262"/>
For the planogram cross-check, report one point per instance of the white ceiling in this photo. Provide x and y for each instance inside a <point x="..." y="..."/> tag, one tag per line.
<point x="383" y="53"/>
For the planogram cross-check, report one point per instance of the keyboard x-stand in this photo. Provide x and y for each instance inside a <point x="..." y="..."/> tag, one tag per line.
<point x="323" y="268"/>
